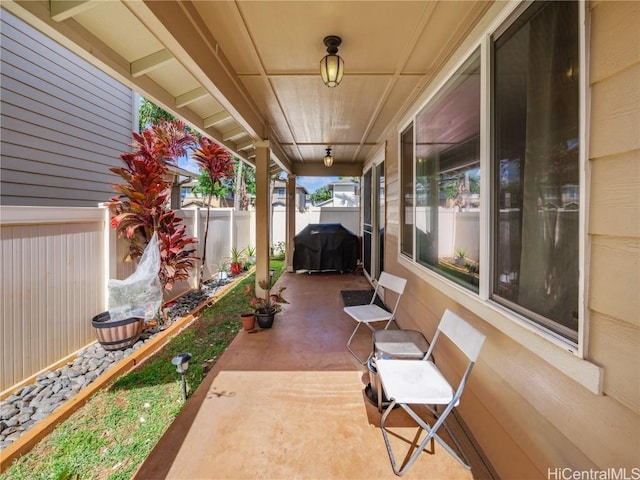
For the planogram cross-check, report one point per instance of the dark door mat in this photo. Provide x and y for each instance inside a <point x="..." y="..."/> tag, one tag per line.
<point x="359" y="297"/>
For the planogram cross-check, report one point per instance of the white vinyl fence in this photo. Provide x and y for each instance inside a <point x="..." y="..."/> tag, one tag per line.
<point x="349" y="217"/>
<point x="55" y="263"/>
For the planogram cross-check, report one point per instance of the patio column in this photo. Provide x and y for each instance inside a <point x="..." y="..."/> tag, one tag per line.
<point x="263" y="218"/>
<point x="291" y="220"/>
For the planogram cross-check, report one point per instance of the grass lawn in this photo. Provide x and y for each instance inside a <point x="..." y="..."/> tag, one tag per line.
<point x="113" y="433"/>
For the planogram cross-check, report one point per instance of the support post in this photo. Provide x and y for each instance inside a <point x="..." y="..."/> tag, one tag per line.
<point x="263" y="218"/>
<point x="291" y="220"/>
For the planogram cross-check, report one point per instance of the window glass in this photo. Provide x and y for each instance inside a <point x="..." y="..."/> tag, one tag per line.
<point x="536" y="166"/>
<point x="406" y="152"/>
<point x="448" y="178"/>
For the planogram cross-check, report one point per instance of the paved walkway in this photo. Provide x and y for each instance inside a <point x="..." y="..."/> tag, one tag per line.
<point x="288" y="403"/>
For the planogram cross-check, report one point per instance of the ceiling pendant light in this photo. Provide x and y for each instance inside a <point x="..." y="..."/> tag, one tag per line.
<point x="332" y="65"/>
<point x="328" y="159"/>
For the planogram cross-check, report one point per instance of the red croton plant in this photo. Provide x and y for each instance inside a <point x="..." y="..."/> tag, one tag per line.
<point x="216" y="161"/>
<point x="142" y="206"/>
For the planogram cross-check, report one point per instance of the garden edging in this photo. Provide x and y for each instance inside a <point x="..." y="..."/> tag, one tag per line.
<point x="45" y="426"/>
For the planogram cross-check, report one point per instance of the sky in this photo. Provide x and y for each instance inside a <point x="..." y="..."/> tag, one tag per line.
<point x="313" y="183"/>
<point x="310" y="183"/>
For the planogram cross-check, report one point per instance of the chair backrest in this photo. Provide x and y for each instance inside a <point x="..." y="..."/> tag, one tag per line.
<point x="466" y="337"/>
<point x="392" y="282"/>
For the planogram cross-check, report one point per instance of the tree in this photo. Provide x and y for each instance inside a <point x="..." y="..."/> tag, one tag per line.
<point x="151" y="114"/>
<point x="216" y="162"/>
<point x="320" y="195"/>
<point x="140" y="208"/>
<point x="208" y="189"/>
<point x="245" y="183"/>
<point x="249" y="175"/>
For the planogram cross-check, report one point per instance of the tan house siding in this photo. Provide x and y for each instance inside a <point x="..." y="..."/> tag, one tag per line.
<point x="525" y="414"/>
<point x="614" y="230"/>
<point x="64" y="122"/>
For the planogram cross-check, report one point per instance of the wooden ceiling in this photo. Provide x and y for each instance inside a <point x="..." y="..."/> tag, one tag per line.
<point x="243" y="72"/>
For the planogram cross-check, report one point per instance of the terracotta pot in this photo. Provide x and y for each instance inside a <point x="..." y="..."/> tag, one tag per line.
<point x="248" y="321"/>
<point x="117" y="335"/>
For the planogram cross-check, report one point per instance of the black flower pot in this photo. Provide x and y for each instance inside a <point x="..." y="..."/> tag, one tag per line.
<point x="265" y="318"/>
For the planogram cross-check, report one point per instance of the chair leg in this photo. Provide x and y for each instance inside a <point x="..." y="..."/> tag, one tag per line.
<point x="355" y="355"/>
<point x="386" y="327"/>
<point x="466" y="461"/>
<point x="431" y="435"/>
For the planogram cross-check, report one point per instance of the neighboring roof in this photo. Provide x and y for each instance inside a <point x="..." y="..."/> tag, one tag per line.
<point x="174" y="170"/>
<point x="344" y="182"/>
<point x="281" y="184"/>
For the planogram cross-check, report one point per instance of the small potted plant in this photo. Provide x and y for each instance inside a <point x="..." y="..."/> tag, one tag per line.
<point x="460" y="255"/>
<point x="223" y="269"/>
<point x="265" y="308"/>
<point x="251" y="254"/>
<point x="236" y="261"/>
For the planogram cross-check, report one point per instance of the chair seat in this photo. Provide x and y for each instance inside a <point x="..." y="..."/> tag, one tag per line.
<point x="368" y="313"/>
<point x="400" y="344"/>
<point x="414" y="381"/>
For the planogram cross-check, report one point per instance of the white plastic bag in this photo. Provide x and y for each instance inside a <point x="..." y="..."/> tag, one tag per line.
<point x="140" y="294"/>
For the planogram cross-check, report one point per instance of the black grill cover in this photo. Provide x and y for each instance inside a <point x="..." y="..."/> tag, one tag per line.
<point x="325" y="246"/>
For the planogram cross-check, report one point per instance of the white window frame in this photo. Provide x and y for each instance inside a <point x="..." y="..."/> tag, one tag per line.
<point x="553" y="348"/>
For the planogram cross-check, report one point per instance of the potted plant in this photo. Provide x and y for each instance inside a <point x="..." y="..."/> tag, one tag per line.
<point x="141" y="209"/>
<point x="251" y="253"/>
<point x="236" y="261"/>
<point x="460" y="254"/>
<point x="265" y="308"/>
<point x="223" y="269"/>
<point x="248" y="321"/>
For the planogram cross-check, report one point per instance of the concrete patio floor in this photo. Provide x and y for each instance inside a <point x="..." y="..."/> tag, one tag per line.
<point x="288" y="402"/>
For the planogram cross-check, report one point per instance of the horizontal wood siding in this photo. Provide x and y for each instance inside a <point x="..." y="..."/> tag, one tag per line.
<point x="64" y="122"/>
<point x="525" y="414"/>
<point x="614" y="157"/>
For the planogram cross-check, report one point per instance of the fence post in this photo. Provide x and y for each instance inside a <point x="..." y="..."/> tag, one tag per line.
<point x="109" y="253"/>
<point x="232" y="236"/>
<point x="199" y="249"/>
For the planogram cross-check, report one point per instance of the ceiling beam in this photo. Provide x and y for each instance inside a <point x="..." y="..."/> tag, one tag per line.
<point x="190" y="97"/>
<point x="216" y="118"/>
<point x="281" y="158"/>
<point x="245" y="145"/>
<point x="235" y="133"/>
<point x="333" y="144"/>
<point x="63" y="9"/>
<point x="317" y="169"/>
<point x="182" y="32"/>
<point x="316" y="74"/>
<point x="83" y="43"/>
<point x="150" y="62"/>
<point x="274" y="168"/>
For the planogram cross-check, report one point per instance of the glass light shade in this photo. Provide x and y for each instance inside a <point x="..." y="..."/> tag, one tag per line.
<point x="328" y="160"/>
<point x="332" y="70"/>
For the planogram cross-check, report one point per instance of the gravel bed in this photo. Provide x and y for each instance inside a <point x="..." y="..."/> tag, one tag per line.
<point x="32" y="403"/>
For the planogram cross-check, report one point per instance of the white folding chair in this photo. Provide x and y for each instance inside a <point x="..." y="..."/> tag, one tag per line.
<point x="419" y="382"/>
<point x="371" y="313"/>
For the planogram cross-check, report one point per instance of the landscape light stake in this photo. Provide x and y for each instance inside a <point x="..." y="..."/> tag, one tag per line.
<point x="181" y="362"/>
